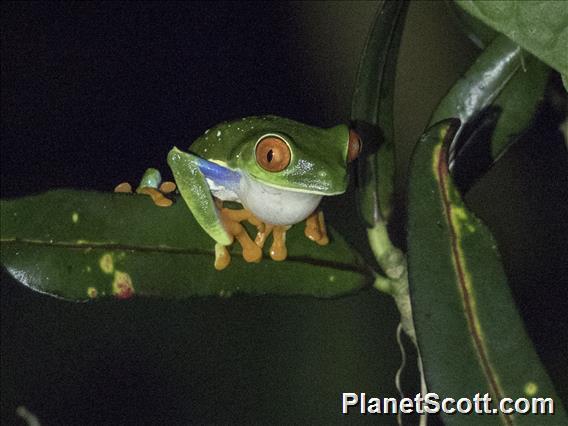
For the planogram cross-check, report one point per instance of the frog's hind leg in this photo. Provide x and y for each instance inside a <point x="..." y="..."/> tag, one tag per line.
<point x="151" y="184"/>
<point x="157" y="196"/>
<point x="123" y="187"/>
<point x="315" y="228"/>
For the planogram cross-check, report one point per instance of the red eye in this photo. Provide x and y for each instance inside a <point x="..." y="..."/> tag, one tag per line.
<point x="355" y="146"/>
<point x="273" y="154"/>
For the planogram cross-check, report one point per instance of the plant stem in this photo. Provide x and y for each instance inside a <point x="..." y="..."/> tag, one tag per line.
<point x="390" y="258"/>
<point x="393" y="262"/>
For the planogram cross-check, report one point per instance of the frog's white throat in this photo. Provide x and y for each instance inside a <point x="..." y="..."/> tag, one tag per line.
<point x="271" y="205"/>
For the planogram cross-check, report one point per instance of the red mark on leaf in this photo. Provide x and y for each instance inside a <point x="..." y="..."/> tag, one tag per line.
<point x="122" y="286"/>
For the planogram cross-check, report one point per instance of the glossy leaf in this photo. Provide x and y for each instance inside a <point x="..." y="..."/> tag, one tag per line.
<point x="503" y="78"/>
<point x="470" y="335"/>
<point x="541" y="27"/>
<point x="83" y="245"/>
<point x="373" y="105"/>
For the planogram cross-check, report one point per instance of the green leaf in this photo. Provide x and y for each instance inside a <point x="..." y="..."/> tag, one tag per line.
<point x="505" y="78"/>
<point x="373" y="105"/>
<point x="470" y="335"/>
<point x="541" y="27"/>
<point x="81" y="245"/>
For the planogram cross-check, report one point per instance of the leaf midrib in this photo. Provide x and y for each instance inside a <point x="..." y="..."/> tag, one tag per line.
<point x="172" y="250"/>
<point x="469" y="311"/>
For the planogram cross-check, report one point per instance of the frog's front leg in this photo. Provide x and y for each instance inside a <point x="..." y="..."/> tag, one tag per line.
<point x="231" y="220"/>
<point x="263" y="234"/>
<point x="252" y="250"/>
<point x="315" y="228"/>
<point x="278" y="250"/>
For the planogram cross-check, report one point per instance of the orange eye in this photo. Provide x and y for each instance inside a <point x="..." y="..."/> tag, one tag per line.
<point x="355" y="146"/>
<point x="273" y="154"/>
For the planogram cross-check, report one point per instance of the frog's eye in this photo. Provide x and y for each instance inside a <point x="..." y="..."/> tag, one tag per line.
<point x="355" y="146"/>
<point x="272" y="154"/>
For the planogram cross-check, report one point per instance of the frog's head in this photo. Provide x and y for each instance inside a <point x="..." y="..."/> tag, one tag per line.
<point x="289" y="155"/>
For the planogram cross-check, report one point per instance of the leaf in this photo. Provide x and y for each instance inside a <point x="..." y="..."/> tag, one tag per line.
<point x="479" y="33"/>
<point x="510" y="82"/>
<point x="541" y="27"/>
<point x="81" y="245"/>
<point x="373" y="106"/>
<point x="470" y="335"/>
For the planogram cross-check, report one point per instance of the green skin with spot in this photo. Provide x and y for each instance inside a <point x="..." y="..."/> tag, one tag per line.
<point x="318" y="163"/>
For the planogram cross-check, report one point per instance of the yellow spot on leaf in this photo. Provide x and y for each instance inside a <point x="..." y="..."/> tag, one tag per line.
<point x="460" y="216"/>
<point x="459" y="213"/>
<point x="106" y="263"/>
<point x="531" y="388"/>
<point x="332" y="278"/>
<point x="92" y="292"/>
<point x="88" y="269"/>
<point x="75" y="217"/>
<point x="122" y="286"/>
<point x="225" y="293"/>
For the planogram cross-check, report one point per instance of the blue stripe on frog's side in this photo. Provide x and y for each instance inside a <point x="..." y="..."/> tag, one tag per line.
<point x="224" y="178"/>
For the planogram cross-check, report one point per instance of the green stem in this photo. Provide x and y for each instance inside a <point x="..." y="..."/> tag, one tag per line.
<point x="391" y="260"/>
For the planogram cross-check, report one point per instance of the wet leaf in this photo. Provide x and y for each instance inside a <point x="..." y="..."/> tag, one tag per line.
<point x="372" y="112"/>
<point x="507" y="84"/>
<point x="83" y="245"/>
<point x="470" y="335"/>
<point x="541" y="27"/>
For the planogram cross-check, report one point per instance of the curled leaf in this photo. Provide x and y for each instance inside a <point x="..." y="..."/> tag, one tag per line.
<point x="470" y="335"/>
<point x="372" y="112"/>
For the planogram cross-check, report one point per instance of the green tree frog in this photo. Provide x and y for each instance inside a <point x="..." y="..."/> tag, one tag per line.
<point x="276" y="168"/>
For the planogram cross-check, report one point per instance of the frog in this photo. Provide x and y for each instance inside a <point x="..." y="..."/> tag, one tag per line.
<point x="274" y="170"/>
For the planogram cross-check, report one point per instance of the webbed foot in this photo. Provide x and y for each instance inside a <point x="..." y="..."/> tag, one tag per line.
<point x="263" y="234"/>
<point x="222" y="257"/>
<point x="252" y="250"/>
<point x="278" y="250"/>
<point x="315" y="228"/>
<point x="123" y="187"/>
<point x="157" y="196"/>
<point x="152" y="185"/>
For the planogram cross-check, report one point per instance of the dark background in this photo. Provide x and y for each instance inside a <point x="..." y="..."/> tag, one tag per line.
<point x="94" y="93"/>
